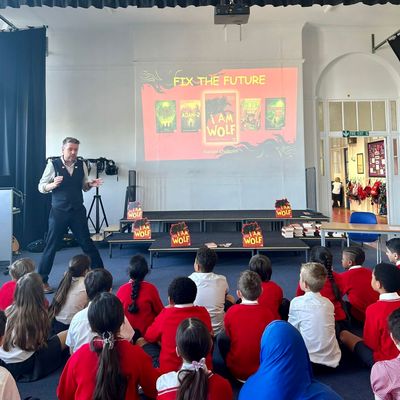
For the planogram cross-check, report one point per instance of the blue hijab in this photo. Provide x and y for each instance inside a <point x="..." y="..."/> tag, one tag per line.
<point x="285" y="369"/>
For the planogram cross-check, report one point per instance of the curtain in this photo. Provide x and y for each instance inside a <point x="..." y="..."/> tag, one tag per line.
<point x="180" y="3"/>
<point x="23" y="125"/>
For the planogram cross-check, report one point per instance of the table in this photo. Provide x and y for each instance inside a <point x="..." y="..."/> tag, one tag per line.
<point x="273" y="241"/>
<point x="358" y="228"/>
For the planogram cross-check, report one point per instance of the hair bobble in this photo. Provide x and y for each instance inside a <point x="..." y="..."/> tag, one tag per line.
<point x="108" y="338"/>
<point x="199" y="364"/>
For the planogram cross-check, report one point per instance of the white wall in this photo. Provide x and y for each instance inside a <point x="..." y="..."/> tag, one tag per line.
<point x="90" y="95"/>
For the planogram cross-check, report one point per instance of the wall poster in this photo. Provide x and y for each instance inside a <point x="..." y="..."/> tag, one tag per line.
<point x="376" y="159"/>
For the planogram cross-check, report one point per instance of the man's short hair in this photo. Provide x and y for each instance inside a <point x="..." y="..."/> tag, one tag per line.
<point x="97" y="281"/>
<point x="314" y="275"/>
<point x="393" y="245"/>
<point x="249" y="284"/>
<point x="182" y="290"/>
<point x="394" y="325"/>
<point x="389" y="277"/>
<point x="70" y="140"/>
<point x="355" y="254"/>
<point x="206" y="259"/>
<point x="262" y="265"/>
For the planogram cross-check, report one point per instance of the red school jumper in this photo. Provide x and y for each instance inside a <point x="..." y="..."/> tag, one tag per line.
<point x="163" y="330"/>
<point x="148" y="302"/>
<point x="7" y="294"/>
<point x="218" y="387"/>
<point x="376" y="331"/>
<point x="271" y="297"/>
<point x="327" y="291"/>
<point x="244" y="325"/>
<point x="356" y="283"/>
<point x="78" y="379"/>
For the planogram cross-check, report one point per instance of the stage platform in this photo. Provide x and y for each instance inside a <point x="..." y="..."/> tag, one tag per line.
<point x="273" y="241"/>
<point x="204" y="217"/>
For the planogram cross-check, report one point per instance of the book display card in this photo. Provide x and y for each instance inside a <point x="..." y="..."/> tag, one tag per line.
<point x="142" y="229"/>
<point x="252" y="235"/>
<point x="180" y="235"/>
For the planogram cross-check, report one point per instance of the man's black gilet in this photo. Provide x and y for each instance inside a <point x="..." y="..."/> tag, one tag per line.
<point x="68" y="196"/>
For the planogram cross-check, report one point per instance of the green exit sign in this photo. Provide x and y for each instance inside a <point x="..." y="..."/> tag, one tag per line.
<point x="354" y="133"/>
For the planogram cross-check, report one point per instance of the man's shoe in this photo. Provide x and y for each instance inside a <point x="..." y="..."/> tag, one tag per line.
<point x="47" y="289"/>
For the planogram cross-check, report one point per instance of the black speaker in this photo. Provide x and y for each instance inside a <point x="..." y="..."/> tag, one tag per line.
<point x="394" y="43"/>
<point x="130" y="194"/>
<point x="132" y="178"/>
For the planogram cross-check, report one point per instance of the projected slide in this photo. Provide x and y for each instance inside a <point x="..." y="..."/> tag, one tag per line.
<point x="190" y="116"/>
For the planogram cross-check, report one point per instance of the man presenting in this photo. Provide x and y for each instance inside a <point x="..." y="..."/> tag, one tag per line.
<point x="65" y="178"/>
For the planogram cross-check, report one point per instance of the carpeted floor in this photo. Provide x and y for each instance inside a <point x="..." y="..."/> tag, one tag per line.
<point x="350" y="380"/>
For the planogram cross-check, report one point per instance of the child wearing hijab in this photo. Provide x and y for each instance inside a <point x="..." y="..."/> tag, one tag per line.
<point x="285" y="371"/>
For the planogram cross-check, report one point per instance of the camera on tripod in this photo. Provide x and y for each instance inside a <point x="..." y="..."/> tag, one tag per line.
<point x="104" y="165"/>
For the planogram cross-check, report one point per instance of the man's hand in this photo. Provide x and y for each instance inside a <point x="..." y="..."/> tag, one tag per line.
<point x="96" y="182"/>
<point x="55" y="184"/>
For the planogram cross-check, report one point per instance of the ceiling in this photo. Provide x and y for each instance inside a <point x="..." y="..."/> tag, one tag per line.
<point x="387" y="15"/>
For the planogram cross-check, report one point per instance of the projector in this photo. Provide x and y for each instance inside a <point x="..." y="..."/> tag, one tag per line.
<point x="228" y="14"/>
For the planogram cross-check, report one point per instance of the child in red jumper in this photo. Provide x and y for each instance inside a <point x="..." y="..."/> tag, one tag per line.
<point x="376" y="344"/>
<point x="181" y="295"/>
<point x="272" y="294"/>
<point x="356" y="282"/>
<point x="194" y="380"/>
<point x="393" y="251"/>
<point x="17" y="270"/>
<point x="140" y="299"/>
<point x="109" y="367"/>
<point x="244" y="326"/>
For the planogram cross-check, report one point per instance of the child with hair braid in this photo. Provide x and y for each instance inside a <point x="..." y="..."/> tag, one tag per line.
<point x="356" y="283"/>
<point x="140" y="299"/>
<point x="193" y="380"/>
<point x="70" y="296"/>
<point x="109" y="367"/>
<point x="332" y="288"/>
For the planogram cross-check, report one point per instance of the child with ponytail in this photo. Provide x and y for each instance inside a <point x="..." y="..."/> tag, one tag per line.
<point x="70" y="296"/>
<point x="332" y="288"/>
<point x="140" y="299"/>
<point x="120" y="367"/>
<point x="194" y="380"/>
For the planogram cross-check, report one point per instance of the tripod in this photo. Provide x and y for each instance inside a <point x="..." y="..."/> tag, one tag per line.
<point x="99" y="207"/>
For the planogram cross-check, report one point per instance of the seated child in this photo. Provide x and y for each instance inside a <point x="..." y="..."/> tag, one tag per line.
<point x="385" y="377"/>
<point x="284" y="372"/>
<point x="193" y="380"/>
<point x="96" y="281"/>
<point x="140" y="299"/>
<point x="27" y="351"/>
<point x="376" y="345"/>
<point x="109" y="367"/>
<point x="332" y="288"/>
<point x="244" y="324"/>
<point x="212" y="289"/>
<point x="8" y="387"/>
<point x="70" y="296"/>
<point x="356" y="282"/>
<point x="17" y="269"/>
<point x="272" y="294"/>
<point x="181" y="295"/>
<point x="393" y="251"/>
<point x="313" y="316"/>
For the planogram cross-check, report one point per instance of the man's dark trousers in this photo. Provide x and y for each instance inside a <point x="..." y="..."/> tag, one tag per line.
<point x="59" y="221"/>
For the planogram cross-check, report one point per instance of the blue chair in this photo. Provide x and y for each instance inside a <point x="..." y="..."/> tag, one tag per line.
<point x="360" y="217"/>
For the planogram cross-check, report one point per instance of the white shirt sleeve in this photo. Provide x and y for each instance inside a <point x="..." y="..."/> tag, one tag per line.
<point x="47" y="177"/>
